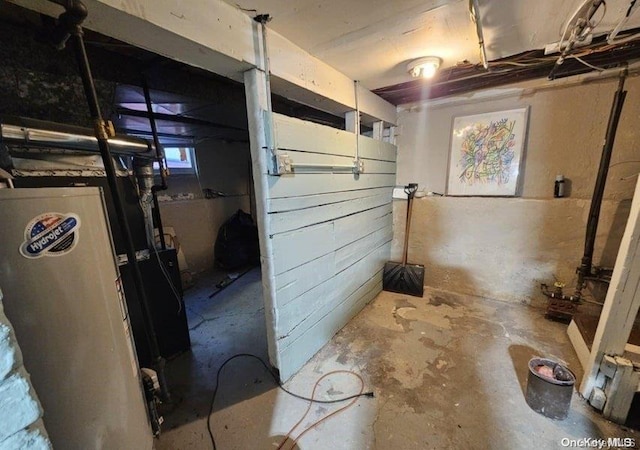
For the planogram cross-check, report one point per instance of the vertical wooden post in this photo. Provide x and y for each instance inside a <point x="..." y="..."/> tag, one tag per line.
<point x="621" y="304"/>
<point x="257" y="93"/>
<point x="392" y="135"/>
<point x="378" y="130"/>
<point x="352" y="122"/>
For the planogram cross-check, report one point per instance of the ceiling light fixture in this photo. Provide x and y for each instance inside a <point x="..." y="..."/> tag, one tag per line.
<point x="424" y="67"/>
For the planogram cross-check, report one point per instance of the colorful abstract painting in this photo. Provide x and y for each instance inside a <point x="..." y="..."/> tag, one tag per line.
<point x="486" y="153"/>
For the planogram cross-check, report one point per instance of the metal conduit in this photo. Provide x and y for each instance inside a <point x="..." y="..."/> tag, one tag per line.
<point x="39" y="136"/>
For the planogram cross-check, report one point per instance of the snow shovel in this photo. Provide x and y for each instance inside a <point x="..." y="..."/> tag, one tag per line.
<point x="402" y="277"/>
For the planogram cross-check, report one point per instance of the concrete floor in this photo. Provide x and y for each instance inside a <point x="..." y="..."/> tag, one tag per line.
<point x="448" y="371"/>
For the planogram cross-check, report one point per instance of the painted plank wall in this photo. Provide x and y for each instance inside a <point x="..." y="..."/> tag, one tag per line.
<point x="330" y="231"/>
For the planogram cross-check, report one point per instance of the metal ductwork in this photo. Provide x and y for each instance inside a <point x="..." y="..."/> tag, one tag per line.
<point x="37" y="133"/>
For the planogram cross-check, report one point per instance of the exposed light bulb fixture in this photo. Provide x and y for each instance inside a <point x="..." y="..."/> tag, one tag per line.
<point x="424" y="67"/>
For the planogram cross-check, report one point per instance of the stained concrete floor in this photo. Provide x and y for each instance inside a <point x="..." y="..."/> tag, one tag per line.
<point x="448" y="371"/>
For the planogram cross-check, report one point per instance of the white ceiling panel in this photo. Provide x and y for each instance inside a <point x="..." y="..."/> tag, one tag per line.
<point x="373" y="40"/>
<point x="512" y="27"/>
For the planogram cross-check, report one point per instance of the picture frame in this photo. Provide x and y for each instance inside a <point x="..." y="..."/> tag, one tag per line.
<point x="487" y="153"/>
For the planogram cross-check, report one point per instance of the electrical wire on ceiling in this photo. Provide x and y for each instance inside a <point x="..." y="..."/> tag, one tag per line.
<point x="582" y="61"/>
<point x="467" y="77"/>
<point x="474" y="14"/>
<point x="599" y="54"/>
<point x="633" y="7"/>
<point x="581" y="26"/>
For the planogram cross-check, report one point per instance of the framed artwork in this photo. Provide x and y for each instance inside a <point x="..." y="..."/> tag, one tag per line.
<point x="487" y="152"/>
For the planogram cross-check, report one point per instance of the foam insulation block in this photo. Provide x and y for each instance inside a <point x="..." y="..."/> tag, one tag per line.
<point x="10" y="357"/>
<point x="32" y="438"/>
<point x="18" y="407"/>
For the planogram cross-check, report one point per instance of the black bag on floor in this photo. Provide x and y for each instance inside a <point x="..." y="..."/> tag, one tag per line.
<point x="237" y="242"/>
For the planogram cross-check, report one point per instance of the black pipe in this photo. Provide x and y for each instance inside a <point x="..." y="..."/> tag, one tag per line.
<point x="162" y="163"/>
<point x="70" y="23"/>
<point x="585" y="268"/>
<point x="156" y="139"/>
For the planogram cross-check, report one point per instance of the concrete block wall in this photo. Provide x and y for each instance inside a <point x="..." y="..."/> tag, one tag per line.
<point x="21" y="426"/>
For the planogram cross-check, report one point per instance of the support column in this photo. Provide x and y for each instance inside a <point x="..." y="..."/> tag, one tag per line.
<point x="378" y="130"/>
<point x="392" y="135"/>
<point x="352" y="122"/>
<point x="255" y="83"/>
<point x="619" y="311"/>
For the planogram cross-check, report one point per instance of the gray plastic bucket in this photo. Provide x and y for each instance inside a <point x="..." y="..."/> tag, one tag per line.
<point x="547" y="396"/>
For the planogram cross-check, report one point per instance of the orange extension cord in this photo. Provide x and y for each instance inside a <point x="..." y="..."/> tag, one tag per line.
<point x="354" y="398"/>
<point x="313" y="396"/>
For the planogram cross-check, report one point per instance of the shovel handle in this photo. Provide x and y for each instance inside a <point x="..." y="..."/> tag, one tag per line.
<point x="410" y="189"/>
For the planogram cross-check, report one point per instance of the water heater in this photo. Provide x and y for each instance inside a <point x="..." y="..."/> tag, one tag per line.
<point x="63" y="295"/>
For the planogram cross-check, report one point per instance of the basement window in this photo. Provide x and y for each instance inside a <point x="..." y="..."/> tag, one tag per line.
<point x="180" y="160"/>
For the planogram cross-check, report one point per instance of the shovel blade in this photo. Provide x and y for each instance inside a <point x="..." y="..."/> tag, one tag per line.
<point x="407" y="279"/>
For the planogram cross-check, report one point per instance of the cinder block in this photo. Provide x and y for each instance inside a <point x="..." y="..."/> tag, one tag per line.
<point x="18" y="406"/>
<point x="32" y="438"/>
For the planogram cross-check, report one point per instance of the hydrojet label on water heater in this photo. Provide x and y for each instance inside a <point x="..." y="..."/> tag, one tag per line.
<point x="50" y="234"/>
